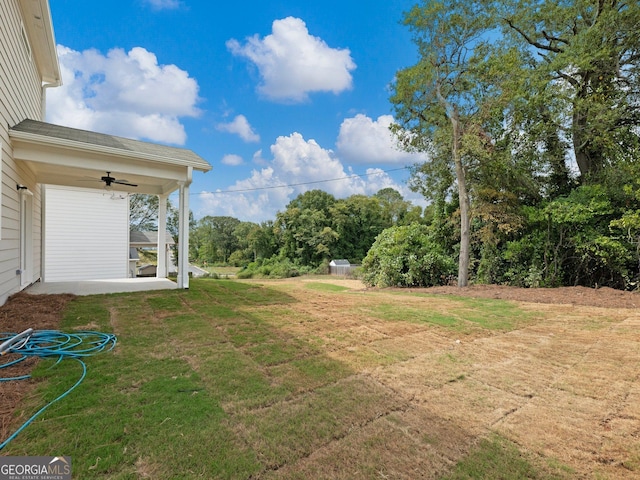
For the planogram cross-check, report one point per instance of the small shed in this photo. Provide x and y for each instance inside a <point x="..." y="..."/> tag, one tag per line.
<point x="339" y="267"/>
<point x="147" y="270"/>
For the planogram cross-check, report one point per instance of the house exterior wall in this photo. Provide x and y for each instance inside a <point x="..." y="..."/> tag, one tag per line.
<point x="20" y="98"/>
<point x="87" y="235"/>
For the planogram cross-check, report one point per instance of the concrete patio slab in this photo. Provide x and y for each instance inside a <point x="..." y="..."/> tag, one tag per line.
<point x="96" y="287"/>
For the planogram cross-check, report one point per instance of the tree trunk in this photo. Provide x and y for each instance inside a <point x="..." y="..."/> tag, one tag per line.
<point x="579" y="127"/>
<point x="588" y="151"/>
<point x="463" y="196"/>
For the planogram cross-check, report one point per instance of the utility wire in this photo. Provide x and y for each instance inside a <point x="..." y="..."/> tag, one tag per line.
<point x="313" y="182"/>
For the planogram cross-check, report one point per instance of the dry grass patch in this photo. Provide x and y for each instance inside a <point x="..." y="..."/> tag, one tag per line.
<point x="559" y="380"/>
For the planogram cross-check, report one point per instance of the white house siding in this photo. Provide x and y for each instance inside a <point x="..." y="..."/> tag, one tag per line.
<point x="20" y="98"/>
<point x="87" y="235"/>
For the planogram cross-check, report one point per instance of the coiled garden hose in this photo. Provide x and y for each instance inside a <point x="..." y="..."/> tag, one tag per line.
<point x="52" y="344"/>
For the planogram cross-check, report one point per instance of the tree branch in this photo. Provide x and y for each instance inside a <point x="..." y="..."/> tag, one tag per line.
<point x="531" y="41"/>
<point x="574" y="83"/>
<point x="554" y="39"/>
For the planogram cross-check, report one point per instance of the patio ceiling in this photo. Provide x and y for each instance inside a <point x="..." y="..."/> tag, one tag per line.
<point x="65" y="156"/>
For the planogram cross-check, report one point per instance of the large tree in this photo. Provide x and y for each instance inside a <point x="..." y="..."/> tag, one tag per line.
<point x="438" y="101"/>
<point x="305" y="228"/>
<point x="143" y="212"/>
<point x="395" y="209"/>
<point x="217" y="238"/>
<point x="254" y="242"/>
<point x="584" y="56"/>
<point x="357" y="220"/>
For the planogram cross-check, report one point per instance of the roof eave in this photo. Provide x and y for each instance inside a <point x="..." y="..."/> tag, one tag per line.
<point x="39" y="26"/>
<point x="99" y="149"/>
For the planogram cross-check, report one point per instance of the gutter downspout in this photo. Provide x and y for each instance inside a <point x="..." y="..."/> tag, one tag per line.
<point x="43" y="98"/>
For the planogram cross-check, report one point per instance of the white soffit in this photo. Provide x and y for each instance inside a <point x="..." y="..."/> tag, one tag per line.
<point x="65" y="156"/>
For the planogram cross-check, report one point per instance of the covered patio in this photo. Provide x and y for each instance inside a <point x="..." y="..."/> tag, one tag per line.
<point x="69" y="157"/>
<point x="98" y="287"/>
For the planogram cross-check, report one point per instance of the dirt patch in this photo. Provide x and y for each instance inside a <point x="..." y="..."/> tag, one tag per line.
<point x="22" y="311"/>
<point x="604" y="297"/>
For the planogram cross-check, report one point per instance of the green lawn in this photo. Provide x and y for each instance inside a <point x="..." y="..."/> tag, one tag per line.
<point x="224" y="381"/>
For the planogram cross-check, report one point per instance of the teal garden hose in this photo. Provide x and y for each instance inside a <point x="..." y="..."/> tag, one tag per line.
<point x="51" y="344"/>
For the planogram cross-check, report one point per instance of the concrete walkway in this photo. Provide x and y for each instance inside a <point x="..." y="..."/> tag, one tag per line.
<point x="95" y="287"/>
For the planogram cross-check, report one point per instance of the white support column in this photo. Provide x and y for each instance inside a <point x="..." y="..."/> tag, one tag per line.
<point x="183" y="233"/>
<point x="161" y="271"/>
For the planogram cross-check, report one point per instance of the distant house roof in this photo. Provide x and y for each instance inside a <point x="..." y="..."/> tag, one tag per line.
<point x="148" y="239"/>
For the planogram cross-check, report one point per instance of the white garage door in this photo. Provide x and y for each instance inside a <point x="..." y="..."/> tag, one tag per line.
<point x="86" y="235"/>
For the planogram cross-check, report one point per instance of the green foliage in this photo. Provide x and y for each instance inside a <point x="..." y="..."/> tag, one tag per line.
<point x="582" y="60"/>
<point x="578" y="233"/>
<point x="274" y="267"/>
<point x="523" y="262"/>
<point x="216" y="239"/>
<point x="449" y="105"/>
<point x="588" y="237"/>
<point x="305" y="228"/>
<point x="395" y="209"/>
<point x="407" y="256"/>
<point x="503" y="97"/>
<point x="358" y="220"/>
<point x="314" y="228"/>
<point x="143" y="212"/>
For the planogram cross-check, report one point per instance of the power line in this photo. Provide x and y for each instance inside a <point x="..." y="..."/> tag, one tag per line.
<point x="289" y="185"/>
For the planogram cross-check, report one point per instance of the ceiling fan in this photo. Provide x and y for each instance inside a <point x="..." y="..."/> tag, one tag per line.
<point x="108" y="180"/>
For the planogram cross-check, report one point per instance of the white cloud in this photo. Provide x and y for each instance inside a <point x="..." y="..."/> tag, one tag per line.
<point x="232" y="160"/>
<point x="240" y="126"/>
<point x="127" y="94"/>
<point x="365" y="141"/>
<point x="292" y="63"/>
<point x="164" y="4"/>
<point x="298" y="165"/>
<point x="258" y="160"/>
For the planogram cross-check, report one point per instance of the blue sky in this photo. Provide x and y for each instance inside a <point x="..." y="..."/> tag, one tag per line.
<point x="271" y="93"/>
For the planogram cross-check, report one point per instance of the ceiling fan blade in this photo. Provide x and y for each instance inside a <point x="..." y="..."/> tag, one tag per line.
<point x="109" y="180"/>
<point x="124" y="182"/>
